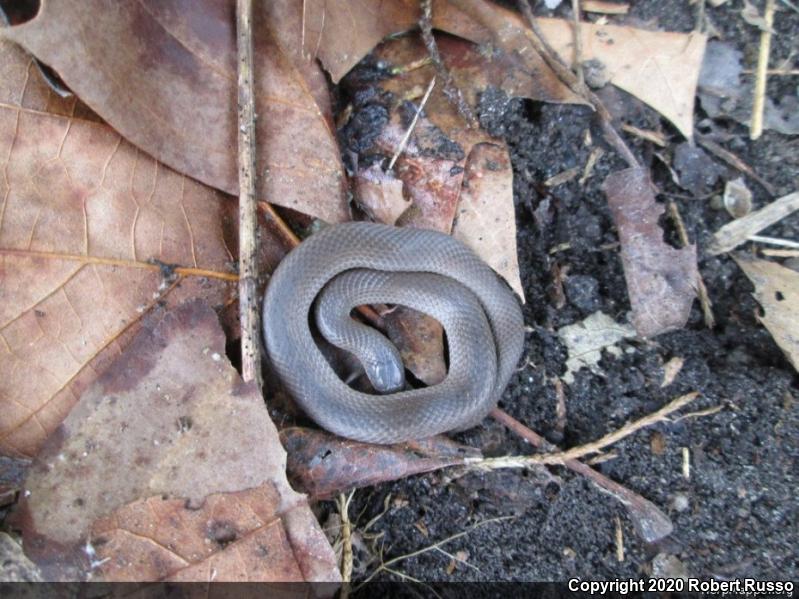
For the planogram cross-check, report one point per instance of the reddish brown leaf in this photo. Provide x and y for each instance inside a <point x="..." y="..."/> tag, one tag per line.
<point x="93" y="234"/>
<point x="420" y="341"/>
<point x="324" y="465"/>
<point x="164" y="75"/>
<point x="170" y="468"/>
<point x="661" y="280"/>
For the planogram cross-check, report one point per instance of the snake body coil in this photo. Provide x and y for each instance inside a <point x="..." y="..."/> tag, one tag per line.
<point x="361" y="263"/>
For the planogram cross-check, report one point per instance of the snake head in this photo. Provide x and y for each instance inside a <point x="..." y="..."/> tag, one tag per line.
<point x="387" y="375"/>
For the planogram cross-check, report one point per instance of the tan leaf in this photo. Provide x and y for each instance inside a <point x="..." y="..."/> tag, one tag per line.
<point x="777" y="290"/>
<point x="90" y="229"/>
<point x="661" y="280"/>
<point x="170" y="468"/>
<point x="659" y="68"/>
<point x="164" y="76"/>
<point x="486" y="219"/>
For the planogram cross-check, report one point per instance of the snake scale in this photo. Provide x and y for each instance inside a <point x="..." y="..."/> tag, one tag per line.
<point x="346" y="265"/>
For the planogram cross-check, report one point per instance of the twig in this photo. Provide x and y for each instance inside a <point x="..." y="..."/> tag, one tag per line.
<point x="700" y="413"/>
<point x="578" y="44"/>
<point x="741" y="229"/>
<point x="734" y="162"/>
<point x="787" y="243"/>
<point x="343" y="503"/>
<point x="701" y="289"/>
<point x="619" y="541"/>
<point x="248" y="264"/>
<point x="756" y="129"/>
<point x="559" y="458"/>
<point x="288" y="236"/>
<point x="651" y="523"/>
<point x="560" y="406"/>
<point x="451" y="91"/>
<point x="407" y="136"/>
<point x="780" y="253"/>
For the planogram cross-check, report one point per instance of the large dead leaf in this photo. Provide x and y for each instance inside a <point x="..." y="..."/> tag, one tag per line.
<point x="659" y="68"/>
<point x="91" y="230"/>
<point x="170" y="468"/>
<point x="164" y="75"/>
<point x="661" y="280"/>
<point x="777" y="290"/>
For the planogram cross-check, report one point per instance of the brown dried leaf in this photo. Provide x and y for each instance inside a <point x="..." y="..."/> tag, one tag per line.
<point x="170" y="468"/>
<point x="420" y="341"/>
<point x="163" y="74"/>
<point x="89" y="230"/>
<point x="380" y="194"/>
<point x="661" y="280"/>
<point x="777" y="290"/>
<point x="324" y="465"/>
<point x="486" y="220"/>
<point x="659" y="68"/>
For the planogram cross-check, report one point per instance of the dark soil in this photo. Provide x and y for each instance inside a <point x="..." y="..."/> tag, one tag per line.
<point x="735" y="516"/>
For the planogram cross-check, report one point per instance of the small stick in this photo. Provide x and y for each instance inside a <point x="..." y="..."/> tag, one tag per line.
<point x="756" y="129"/>
<point x="248" y="264"/>
<point x="412" y="126"/>
<point x="734" y="162"/>
<point x="701" y="289"/>
<point x="343" y="503"/>
<point x="451" y="91"/>
<point x="651" y="523"/>
<point x="559" y="458"/>
<point x="741" y="229"/>
<point x="560" y="406"/>
<point x="787" y="243"/>
<point x="619" y="541"/>
<point x="686" y="463"/>
<point x="780" y="253"/>
<point x="578" y="44"/>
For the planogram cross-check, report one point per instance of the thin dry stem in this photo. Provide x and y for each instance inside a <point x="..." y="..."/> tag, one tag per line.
<point x="343" y="503"/>
<point x="761" y="76"/>
<point x="575" y="453"/>
<point x="404" y="141"/>
<point x="248" y="265"/>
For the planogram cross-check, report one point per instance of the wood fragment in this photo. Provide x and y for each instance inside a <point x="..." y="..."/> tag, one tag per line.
<point x="606" y="8"/>
<point x="701" y="289"/>
<point x="686" y="463"/>
<point x="249" y="319"/>
<point x="560" y="406"/>
<point x="619" y="541"/>
<point x="780" y="253"/>
<point x="595" y="155"/>
<point x="562" y="177"/>
<point x="343" y="504"/>
<point x="741" y="230"/>
<point x="656" y="137"/>
<point x="759" y="103"/>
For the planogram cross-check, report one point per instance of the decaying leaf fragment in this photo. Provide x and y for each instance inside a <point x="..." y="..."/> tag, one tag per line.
<point x="163" y="74"/>
<point x="93" y="235"/>
<point x="777" y="290"/>
<point x="169" y="468"/>
<point x="586" y="340"/>
<point x="324" y="465"/>
<point x="661" y="280"/>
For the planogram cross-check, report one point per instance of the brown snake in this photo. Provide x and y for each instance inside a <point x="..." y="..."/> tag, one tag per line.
<point x="358" y="263"/>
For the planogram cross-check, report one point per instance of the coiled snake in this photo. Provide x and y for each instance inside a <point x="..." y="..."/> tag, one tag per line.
<point x="358" y="263"/>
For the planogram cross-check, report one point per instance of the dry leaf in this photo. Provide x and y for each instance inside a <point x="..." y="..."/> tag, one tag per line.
<point x="659" y="68"/>
<point x="91" y="231"/>
<point x="777" y="290"/>
<point x="170" y="468"/>
<point x="164" y="76"/>
<point x="420" y="341"/>
<point x="486" y="218"/>
<point x="324" y="465"/>
<point x="380" y="194"/>
<point x="661" y="280"/>
<point x="586" y="339"/>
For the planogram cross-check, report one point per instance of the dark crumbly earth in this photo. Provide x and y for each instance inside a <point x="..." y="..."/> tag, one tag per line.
<point x="735" y="515"/>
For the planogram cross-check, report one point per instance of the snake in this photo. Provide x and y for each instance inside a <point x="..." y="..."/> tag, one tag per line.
<point x="316" y="286"/>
